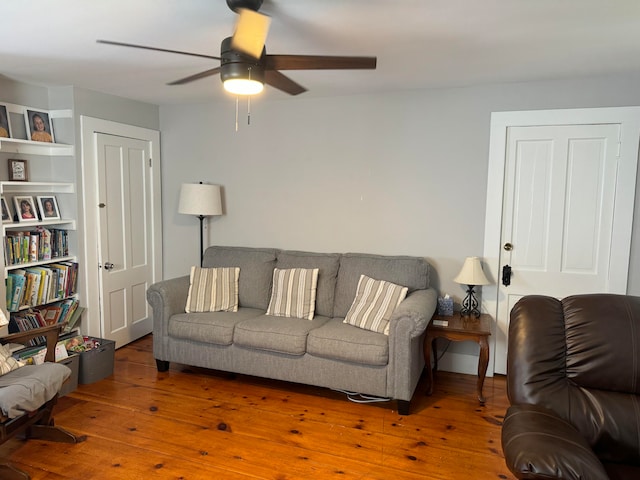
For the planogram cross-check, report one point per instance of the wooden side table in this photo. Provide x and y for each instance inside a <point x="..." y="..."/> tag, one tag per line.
<point x="458" y="329"/>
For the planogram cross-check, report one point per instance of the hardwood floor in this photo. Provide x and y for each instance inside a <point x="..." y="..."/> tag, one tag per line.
<point x="193" y="423"/>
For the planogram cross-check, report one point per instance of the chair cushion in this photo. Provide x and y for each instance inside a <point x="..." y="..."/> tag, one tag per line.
<point x="28" y="388"/>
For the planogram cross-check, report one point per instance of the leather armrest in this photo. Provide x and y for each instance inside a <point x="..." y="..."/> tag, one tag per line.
<point x="538" y="444"/>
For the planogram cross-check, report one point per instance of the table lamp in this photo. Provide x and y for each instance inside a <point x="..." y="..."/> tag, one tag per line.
<point x="202" y="200"/>
<point x="471" y="275"/>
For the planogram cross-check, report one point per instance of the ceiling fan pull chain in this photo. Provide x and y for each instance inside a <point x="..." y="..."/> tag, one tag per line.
<point x="249" y="110"/>
<point x="237" y="100"/>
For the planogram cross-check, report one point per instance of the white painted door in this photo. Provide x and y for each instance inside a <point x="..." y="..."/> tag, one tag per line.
<point x="561" y="194"/>
<point x="558" y="211"/>
<point x="125" y="236"/>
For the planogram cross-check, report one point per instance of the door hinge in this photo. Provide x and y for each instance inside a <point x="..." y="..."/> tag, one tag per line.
<point x="150" y="162"/>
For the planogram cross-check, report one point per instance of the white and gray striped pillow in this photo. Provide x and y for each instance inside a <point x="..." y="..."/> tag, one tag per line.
<point x="213" y="290"/>
<point x="374" y="304"/>
<point x="294" y="293"/>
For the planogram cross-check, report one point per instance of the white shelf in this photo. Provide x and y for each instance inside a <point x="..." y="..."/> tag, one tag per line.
<point x="47" y="187"/>
<point x="17" y="145"/>
<point x="68" y="223"/>
<point x="18" y="266"/>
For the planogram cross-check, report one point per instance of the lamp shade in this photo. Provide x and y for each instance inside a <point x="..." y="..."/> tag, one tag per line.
<point x="471" y="273"/>
<point x="200" y="199"/>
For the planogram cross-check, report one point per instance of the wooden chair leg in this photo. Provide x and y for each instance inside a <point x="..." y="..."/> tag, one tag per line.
<point x="54" y="434"/>
<point x="9" y="472"/>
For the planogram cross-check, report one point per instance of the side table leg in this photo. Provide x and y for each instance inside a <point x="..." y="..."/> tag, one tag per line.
<point x="483" y="362"/>
<point x="429" y="346"/>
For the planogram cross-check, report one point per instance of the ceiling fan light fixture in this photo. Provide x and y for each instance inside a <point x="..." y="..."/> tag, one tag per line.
<point x="243" y="86"/>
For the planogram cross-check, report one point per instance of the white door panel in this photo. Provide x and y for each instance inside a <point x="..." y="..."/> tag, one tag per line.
<point x="125" y="236"/>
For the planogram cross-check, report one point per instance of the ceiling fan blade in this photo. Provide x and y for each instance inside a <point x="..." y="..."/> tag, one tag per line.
<point x="197" y="76"/>
<point x="251" y="32"/>
<point x="318" y="62"/>
<point x="120" y="44"/>
<point x="282" y="82"/>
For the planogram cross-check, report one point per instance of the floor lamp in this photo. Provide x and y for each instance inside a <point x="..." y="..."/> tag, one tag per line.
<point x="202" y="200"/>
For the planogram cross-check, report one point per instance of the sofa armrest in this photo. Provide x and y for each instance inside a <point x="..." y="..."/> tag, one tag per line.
<point x="418" y="307"/>
<point x="167" y="298"/>
<point x="538" y="444"/>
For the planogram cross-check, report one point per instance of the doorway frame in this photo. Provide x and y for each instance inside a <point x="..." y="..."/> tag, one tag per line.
<point x="629" y="120"/>
<point x="89" y="128"/>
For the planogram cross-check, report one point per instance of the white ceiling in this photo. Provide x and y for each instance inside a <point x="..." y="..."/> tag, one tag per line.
<point x="419" y="43"/>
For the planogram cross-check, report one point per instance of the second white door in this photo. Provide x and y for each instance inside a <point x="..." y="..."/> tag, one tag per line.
<point x="125" y="236"/>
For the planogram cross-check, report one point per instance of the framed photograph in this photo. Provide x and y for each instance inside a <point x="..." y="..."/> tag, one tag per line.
<point x="18" y="170"/>
<point x="39" y="126"/>
<point x="5" y="128"/>
<point x="48" y="206"/>
<point x="25" y="208"/>
<point x="6" y="212"/>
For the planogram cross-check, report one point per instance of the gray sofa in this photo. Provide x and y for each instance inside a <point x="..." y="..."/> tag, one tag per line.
<point x="324" y="351"/>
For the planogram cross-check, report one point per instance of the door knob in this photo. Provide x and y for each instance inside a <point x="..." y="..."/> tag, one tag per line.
<point x="108" y="266"/>
<point x="508" y="247"/>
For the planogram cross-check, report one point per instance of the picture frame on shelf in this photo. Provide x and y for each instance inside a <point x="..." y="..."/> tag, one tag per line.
<point x="39" y="127"/>
<point x="18" y="170"/>
<point x="48" y="206"/>
<point x="5" y="127"/>
<point x="6" y="211"/>
<point x="25" y="208"/>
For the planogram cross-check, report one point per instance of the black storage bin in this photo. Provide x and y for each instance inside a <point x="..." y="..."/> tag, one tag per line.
<point x="97" y="363"/>
<point x="73" y="362"/>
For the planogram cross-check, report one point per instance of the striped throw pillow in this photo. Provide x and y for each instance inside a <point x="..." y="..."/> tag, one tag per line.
<point x="374" y="304"/>
<point x="294" y="293"/>
<point x="213" y="290"/>
<point x="7" y="362"/>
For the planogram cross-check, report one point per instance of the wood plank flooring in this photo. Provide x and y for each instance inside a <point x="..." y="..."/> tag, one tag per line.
<point x="192" y="424"/>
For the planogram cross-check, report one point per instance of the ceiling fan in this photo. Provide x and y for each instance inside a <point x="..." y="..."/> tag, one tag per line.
<point x="245" y="65"/>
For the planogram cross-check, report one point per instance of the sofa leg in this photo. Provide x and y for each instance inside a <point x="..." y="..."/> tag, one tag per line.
<point x="162" y="365"/>
<point x="403" y="407"/>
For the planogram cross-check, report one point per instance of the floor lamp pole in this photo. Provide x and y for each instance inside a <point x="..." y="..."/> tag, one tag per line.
<point x="201" y="217"/>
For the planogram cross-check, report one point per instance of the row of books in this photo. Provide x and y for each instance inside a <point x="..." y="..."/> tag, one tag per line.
<point x="37" y="285"/>
<point x="26" y="246"/>
<point x="67" y="312"/>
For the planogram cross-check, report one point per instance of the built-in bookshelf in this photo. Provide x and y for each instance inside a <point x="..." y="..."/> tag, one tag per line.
<point x="39" y="249"/>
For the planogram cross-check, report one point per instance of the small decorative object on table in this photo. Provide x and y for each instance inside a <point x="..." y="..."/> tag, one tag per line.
<point x="445" y="306"/>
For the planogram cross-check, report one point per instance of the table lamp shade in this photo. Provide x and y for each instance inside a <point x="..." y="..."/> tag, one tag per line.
<point x="471" y="273"/>
<point x="200" y="199"/>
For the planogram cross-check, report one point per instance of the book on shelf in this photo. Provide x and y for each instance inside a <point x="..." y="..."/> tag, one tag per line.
<point x="39" y="244"/>
<point x="40" y="284"/>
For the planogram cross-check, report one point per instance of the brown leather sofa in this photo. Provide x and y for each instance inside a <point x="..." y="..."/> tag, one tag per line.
<point x="573" y="381"/>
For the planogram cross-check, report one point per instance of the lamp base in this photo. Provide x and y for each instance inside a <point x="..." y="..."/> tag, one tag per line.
<point x="470" y="304"/>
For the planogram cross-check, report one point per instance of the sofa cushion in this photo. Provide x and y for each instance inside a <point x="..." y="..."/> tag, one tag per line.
<point x="210" y="327"/>
<point x="412" y="272"/>
<point x="293" y="293"/>
<point x="374" y="304"/>
<point x="213" y="290"/>
<point x="276" y="334"/>
<point x="338" y="340"/>
<point x="327" y="265"/>
<point x="256" y="268"/>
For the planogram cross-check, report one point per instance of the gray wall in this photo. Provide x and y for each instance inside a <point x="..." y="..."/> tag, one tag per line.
<point x="400" y="173"/>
